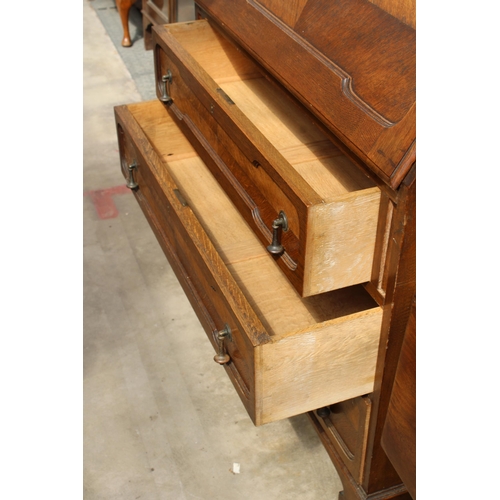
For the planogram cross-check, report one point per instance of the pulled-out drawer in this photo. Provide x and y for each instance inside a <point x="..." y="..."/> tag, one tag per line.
<point x="284" y="354"/>
<point x="310" y="205"/>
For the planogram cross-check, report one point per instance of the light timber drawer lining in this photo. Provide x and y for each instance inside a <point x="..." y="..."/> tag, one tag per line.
<point x="281" y="121"/>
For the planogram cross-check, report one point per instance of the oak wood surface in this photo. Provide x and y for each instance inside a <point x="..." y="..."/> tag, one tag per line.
<point x="340" y="248"/>
<point x="296" y="369"/>
<point x="404" y="10"/>
<point x="307" y="150"/>
<point x="380" y="479"/>
<point x="178" y="235"/>
<point x="353" y="490"/>
<point x="347" y="424"/>
<point x="400" y="270"/>
<point x="377" y="285"/>
<point x="349" y="60"/>
<point x="304" y="174"/>
<point x="231" y="275"/>
<point x="399" y="434"/>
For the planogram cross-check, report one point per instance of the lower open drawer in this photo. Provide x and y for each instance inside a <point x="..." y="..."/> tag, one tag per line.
<point x="284" y="354"/>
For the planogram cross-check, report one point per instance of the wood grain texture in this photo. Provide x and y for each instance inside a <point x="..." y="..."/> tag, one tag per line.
<point x="231" y="281"/>
<point x="347" y="425"/>
<point x="250" y="202"/>
<point x="352" y="488"/>
<point x="163" y="135"/>
<point x="191" y="67"/>
<point x="296" y="374"/>
<point x="340" y="253"/>
<point x="373" y="114"/>
<point x="380" y="479"/>
<point x="233" y="239"/>
<point x="210" y="130"/>
<point x="322" y="166"/>
<point x="265" y="107"/>
<point x="399" y="434"/>
<point x="191" y="255"/>
<point x="404" y="10"/>
<point x="357" y="67"/>
<point x="269" y="157"/>
<point x="281" y="309"/>
<point x="400" y="271"/>
<point x="289" y="12"/>
<point x="203" y="45"/>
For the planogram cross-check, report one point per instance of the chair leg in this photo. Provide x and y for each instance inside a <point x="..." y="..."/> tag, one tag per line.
<point x="123" y="7"/>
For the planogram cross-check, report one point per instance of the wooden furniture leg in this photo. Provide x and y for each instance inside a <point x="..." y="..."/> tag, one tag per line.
<point x="123" y="7"/>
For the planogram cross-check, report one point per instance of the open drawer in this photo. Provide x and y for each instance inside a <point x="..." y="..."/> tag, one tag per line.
<point x="285" y="176"/>
<point x="284" y="354"/>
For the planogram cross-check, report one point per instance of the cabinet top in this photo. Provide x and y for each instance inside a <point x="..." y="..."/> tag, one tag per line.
<point x="351" y="62"/>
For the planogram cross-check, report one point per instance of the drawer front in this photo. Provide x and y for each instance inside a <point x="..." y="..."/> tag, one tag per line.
<point x="346" y="427"/>
<point x="202" y="290"/>
<point x="287" y="355"/>
<point x="259" y="197"/>
<point x="330" y="225"/>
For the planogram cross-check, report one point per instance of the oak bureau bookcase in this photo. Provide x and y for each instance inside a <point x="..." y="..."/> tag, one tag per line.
<point x="277" y="170"/>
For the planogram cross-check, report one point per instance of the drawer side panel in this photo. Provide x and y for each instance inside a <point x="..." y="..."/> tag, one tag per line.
<point x="331" y="363"/>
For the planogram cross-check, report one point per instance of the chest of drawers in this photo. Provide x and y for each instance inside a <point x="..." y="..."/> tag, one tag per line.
<point x="277" y="170"/>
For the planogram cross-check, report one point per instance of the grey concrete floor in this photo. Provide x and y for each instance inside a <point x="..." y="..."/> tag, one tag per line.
<point x="161" y="419"/>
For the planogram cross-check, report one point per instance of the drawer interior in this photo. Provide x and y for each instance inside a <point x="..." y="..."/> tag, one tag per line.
<point x="281" y="121"/>
<point x="277" y="304"/>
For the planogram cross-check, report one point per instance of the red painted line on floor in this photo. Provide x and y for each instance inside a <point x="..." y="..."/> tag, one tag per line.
<point x="103" y="200"/>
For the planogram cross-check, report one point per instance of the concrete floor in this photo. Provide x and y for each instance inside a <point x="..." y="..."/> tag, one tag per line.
<point x="161" y="419"/>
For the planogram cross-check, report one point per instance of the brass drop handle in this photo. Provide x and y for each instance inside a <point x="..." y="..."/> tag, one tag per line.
<point x="131" y="184"/>
<point x="280" y="224"/>
<point x="222" y="357"/>
<point x="165" y="80"/>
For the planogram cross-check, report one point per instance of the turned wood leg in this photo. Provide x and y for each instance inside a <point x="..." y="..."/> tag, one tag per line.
<point x="123" y="7"/>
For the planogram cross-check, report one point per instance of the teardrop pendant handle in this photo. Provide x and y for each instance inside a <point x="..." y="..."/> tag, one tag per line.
<point x="131" y="184"/>
<point x="222" y="357"/>
<point x="280" y="224"/>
